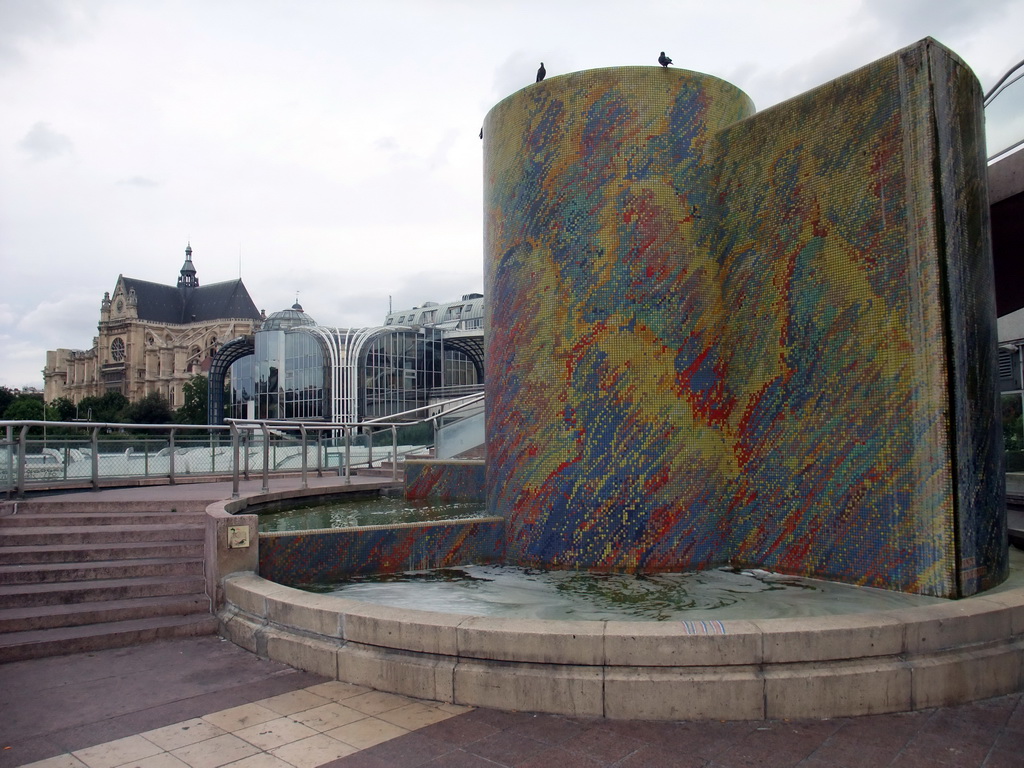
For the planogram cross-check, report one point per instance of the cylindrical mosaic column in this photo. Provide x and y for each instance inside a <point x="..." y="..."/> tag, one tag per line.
<point x="599" y="286"/>
<point x="763" y="340"/>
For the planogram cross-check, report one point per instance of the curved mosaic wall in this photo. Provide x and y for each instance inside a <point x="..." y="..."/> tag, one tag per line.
<point x="445" y="481"/>
<point x="715" y="337"/>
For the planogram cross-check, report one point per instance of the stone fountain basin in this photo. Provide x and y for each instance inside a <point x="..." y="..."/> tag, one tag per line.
<point x="831" y="666"/>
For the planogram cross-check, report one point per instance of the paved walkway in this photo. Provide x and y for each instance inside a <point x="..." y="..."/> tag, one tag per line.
<point x="211" y="492"/>
<point x="205" y="703"/>
<point x="200" y="702"/>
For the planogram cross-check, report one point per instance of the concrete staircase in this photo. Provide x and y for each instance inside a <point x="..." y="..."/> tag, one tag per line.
<point x="80" y="576"/>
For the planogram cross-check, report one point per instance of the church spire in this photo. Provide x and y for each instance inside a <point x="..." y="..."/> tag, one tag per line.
<point x="188" y="278"/>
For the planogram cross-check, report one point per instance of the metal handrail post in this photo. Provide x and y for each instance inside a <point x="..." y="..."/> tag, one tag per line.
<point x="305" y="477"/>
<point x="319" y="453"/>
<point x="348" y="458"/>
<point x="234" y="461"/>
<point x="394" y="453"/>
<point x="95" y="458"/>
<point x="266" y="459"/>
<point x="170" y="448"/>
<point x="10" y="459"/>
<point x="369" y="449"/>
<point x="335" y="435"/>
<point x="22" y="460"/>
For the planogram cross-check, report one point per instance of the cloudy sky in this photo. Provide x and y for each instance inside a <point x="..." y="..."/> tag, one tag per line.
<point x="328" y="148"/>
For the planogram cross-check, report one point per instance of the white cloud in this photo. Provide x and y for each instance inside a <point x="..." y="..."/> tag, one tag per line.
<point x="43" y="143"/>
<point x="139" y="181"/>
<point x="59" y="321"/>
<point x="27" y="23"/>
<point x="23" y="364"/>
<point x="948" y="18"/>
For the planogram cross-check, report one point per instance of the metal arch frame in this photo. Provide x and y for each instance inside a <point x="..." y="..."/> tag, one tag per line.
<point x="231" y="352"/>
<point x="354" y="350"/>
<point x="471" y="344"/>
<point x="329" y="344"/>
<point x="343" y="347"/>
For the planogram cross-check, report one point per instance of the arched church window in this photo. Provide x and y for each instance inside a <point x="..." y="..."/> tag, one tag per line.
<point x="117" y="349"/>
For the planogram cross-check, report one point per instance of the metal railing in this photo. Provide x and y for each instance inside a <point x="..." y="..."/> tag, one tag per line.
<point x="38" y="455"/>
<point x="339" y="436"/>
<point x="76" y="454"/>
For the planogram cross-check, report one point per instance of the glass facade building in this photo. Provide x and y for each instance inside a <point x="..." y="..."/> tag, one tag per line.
<point x="303" y="371"/>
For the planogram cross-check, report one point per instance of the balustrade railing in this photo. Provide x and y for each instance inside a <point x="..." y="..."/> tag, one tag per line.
<point x="38" y="455"/>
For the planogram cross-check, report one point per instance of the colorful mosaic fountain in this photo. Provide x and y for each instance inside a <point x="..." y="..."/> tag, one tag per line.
<point x="765" y="339"/>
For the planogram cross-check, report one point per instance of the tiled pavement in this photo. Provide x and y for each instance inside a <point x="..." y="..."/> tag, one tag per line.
<point x="205" y="703"/>
<point x="199" y="702"/>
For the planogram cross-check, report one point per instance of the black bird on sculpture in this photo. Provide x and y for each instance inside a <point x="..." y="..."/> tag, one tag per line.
<point x="541" y="72"/>
<point x="664" y="60"/>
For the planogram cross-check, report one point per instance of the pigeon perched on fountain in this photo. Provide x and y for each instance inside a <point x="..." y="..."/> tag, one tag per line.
<point x="541" y="72"/>
<point x="664" y="60"/>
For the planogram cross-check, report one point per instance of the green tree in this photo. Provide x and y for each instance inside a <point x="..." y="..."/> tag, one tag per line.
<point x="1013" y="432"/>
<point x="108" y="408"/>
<point x="7" y="396"/>
<point x="61" y="409"/>
<point x="152" y="409"/>
<point x="193" y="410"/>
<point x="25" y="408"/>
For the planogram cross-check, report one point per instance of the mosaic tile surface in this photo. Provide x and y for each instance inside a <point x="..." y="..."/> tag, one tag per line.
<point x="715" y="336"/>
<point x="311" y="557"/>
<point x="445" y="481"/>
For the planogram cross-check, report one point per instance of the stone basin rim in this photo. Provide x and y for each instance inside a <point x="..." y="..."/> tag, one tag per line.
<point x="737" y="669"/>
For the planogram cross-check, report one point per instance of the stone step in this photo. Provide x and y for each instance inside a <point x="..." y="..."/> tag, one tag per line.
<point x="99" y="534"/>
<point x="33" y="644"/>
<point x="40" y="519"/>
<point x="97" y="590"/>
<point x="78" y="614"/>
<point x="79" y="553"/>
<point x="101" y="569"/>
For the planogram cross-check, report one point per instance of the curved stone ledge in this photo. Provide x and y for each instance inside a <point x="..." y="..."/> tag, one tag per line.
<point x="834" y="666"/>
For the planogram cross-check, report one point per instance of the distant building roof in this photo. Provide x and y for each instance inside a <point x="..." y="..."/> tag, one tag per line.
<point x="188" y="302"/>
<point x="170" y="304"/>
<point x="287" y="318"/>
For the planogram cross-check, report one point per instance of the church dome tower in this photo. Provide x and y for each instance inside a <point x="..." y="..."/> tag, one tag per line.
<point x="187" y="278"/>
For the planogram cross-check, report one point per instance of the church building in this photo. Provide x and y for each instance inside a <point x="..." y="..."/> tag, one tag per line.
<point x="153" y="338"/>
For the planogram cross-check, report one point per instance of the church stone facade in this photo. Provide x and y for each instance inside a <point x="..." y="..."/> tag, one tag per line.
<point x="153" y="338"/>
